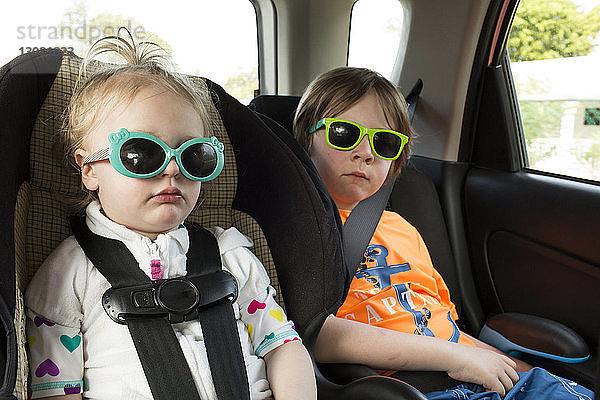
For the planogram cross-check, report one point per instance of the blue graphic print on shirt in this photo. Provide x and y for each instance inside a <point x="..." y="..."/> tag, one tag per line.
<point x="379" y="275"/>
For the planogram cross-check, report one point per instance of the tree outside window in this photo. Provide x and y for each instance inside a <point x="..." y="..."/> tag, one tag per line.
<point x="554" y="51"/>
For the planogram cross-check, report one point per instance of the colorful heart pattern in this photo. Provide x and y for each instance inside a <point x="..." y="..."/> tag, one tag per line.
<point x="47" y="367"/>
<point x="250" y="330"/>
<point x="70" y="343"/>
<point x="255" y="305"/>
<point x="72" y="389"/>
<point x="277" y="314"/>
<point x="38" y="321"/>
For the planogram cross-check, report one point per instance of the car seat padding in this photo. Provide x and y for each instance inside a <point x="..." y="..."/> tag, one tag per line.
<point x="43" y="183"/>
<point x="307" y="254"/>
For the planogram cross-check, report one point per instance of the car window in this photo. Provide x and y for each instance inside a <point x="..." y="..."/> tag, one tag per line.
<point x="380" y="22"/>
<point x="215" y="39"/>
<point x="554" y="48"/>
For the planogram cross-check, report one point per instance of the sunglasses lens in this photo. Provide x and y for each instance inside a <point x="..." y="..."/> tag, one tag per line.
<point x="343" y="134"/>
<point x="386" y="144"/>
<point x="199" y="160"/>
<point x="142" y="156"/>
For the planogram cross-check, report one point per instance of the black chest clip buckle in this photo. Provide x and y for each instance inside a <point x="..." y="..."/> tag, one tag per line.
<point x="178" y="299"/>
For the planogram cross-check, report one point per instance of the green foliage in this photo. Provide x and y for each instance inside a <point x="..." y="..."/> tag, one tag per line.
<point x="545" y="29"/>
<point x="538" y="152"/>
<point x="542" y="119"/>
<point x="542" y="127"/>
<point x="550" y="29"/>
<point x="242" y="85"/>
<point x="592" y="156"/>
<point x="85" y="30"/>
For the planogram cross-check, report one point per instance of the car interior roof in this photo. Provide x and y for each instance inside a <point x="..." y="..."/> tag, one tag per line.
<point x="438" y="46"/>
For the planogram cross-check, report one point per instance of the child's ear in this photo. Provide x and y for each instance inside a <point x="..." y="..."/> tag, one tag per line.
<point x="88" y="174"/>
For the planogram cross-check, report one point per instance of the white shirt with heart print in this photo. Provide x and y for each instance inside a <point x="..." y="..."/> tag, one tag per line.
<point x="70" y="333"/>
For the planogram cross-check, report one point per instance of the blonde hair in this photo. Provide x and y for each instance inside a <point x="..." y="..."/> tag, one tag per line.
<point x="335" y="91"/>
<point x="146" y="66"/>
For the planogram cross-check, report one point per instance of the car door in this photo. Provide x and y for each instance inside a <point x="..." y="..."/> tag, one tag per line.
<point x="532" y="216"/>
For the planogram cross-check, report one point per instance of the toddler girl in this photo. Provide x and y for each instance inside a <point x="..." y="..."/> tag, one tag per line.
<point x="140" y="136"/>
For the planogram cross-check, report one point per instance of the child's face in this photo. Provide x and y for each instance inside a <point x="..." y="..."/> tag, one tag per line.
<point x="153" y="205"/>
<point x="352" y="175"/>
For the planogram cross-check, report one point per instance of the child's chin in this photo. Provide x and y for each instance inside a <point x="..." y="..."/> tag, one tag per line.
<point x="168" y="226"/>
<point x="157" y="226"/>
<point x="168" y="214"/>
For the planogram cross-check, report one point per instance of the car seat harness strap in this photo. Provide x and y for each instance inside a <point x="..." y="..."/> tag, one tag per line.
<point x="148" y="308"/>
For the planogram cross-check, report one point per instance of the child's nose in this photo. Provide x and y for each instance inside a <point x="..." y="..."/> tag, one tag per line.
<point x="364" y="151"/>
<point x="172" y="169"/>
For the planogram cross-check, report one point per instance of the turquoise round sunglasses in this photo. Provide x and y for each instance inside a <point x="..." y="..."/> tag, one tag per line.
<point x="346" y="135"/>
<point x="142" y="155"/>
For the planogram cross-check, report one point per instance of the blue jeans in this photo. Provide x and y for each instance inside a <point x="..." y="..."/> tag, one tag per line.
<point x="537" y="384"/>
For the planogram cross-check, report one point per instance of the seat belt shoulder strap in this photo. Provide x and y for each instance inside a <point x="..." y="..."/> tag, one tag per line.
<point x="361" y="225"/>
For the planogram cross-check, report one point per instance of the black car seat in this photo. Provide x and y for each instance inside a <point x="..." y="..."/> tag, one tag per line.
<point x="414" y="195"/>
<point x="416" y="198"/>
<point x="265" y="187"/>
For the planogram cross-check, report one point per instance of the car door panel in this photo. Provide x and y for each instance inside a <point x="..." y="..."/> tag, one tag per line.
<point x="535" y="246"/>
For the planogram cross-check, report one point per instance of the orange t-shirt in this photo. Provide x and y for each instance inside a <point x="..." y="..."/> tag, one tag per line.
<point x="396" y="286"/>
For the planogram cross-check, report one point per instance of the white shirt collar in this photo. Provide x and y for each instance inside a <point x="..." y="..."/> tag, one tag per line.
<point x="170" y="248"/>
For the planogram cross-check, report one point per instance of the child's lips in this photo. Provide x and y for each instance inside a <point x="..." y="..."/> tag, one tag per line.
<point x="168" y="195"/>
<point x="358" y="175"/>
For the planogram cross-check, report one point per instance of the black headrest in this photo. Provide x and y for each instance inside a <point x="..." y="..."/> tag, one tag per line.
<point x="282" y="108"/>
<point x="24" y="84"/>
<point x="278" y="108"/>
<point x="279" y="186"/>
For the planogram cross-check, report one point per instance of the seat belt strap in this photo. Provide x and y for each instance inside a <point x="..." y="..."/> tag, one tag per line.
<point x="162" y="358"/>
<point x="412" y="99"/>
<point x="361" y="224"/>
<point x="219" y="327"/>
<point x="166" y="369"/>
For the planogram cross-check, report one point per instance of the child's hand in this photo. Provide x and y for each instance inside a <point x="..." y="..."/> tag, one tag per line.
<point x="259" y="390"/>
<point x="485" y="367"/>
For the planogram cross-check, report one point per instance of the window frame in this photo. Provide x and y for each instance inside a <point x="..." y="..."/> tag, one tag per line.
<point x="492" y="87"/>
